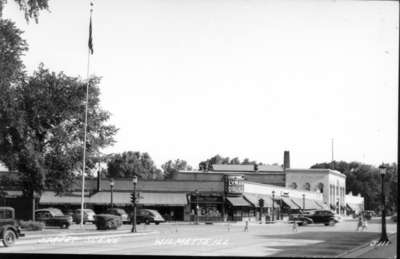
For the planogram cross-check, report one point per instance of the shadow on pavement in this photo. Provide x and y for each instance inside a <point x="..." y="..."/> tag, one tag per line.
<point x="332" y="243"/>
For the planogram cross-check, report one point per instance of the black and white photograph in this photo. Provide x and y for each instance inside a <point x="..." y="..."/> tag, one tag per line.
<point x="199" y="128"/>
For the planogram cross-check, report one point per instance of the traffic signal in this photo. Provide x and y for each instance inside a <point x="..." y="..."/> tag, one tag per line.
<point x="261" y="203"/>
<point x="133" y="198"/>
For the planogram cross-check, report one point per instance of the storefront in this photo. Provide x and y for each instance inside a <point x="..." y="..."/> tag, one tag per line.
<point x="210" y="207"/>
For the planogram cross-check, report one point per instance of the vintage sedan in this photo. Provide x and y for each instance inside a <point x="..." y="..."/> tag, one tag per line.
<point x="53" y="217"/>
<point x="88" y="216"/>
<point x="119" y="212"/>
<point x="9" y="227"/>
<point x="325" y="217"/>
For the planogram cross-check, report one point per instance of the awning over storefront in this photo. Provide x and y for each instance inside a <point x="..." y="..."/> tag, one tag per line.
<point x="308" y="204"/>
<point x="158" y="199"/>
<point x="321" y="205"/>
<point x="119" y="198"/>
<point x="353" y="207"/>
<point x="51" y="198"/>
<point x="289" y="202"/>
<point x="102" y="198"/>
<point x="254" y="198"/>
<point x="238" y="202"/>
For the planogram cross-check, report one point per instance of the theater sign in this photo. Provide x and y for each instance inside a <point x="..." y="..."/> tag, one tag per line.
<point x="234" y="184"/>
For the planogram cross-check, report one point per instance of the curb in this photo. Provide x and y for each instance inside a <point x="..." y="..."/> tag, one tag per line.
<point x="91" y="233"/>
<point x="363" y="246"/>
<point x="68" y="238"/>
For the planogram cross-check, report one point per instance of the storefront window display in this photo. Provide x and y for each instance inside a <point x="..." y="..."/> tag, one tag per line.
<point x="210" y="207"/>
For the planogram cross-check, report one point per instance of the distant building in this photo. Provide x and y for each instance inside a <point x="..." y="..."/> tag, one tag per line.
<point x="225" y="193"/>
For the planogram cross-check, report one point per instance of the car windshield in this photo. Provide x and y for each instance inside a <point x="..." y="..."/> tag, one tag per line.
<point x="57" y="212"/>
<point x="120" y="211"/>
<point x="5" y="214"/>
<point x="154" y="213"/>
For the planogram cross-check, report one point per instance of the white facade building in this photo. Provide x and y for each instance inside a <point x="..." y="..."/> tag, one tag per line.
<point x="331" y="183"/>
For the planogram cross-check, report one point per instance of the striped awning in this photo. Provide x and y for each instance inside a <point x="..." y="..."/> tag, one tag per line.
<point x="119" y="198"/>
<point x="238" y="202"/>
<point x="254" y="198"/>
<point x="289" y="202"/>
<point x="49" y="197"/>
<point x="353" y="207"/>
<point x="308" y="204"/>
<point x="158" y="198"/>
<point x="321" y="205"/>
<point x="104" y="198"/>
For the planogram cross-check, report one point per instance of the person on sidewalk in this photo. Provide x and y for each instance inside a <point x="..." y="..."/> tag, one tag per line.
<point x="360" y="222"/>
<point x="246" y="226"/>
<point x="364" y="225"/>
<point x="294" y="226"/>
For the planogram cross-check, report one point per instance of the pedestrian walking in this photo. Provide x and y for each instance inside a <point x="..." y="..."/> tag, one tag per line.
<point x="364" y="225"/>
<point x="246" y="226"/>
<point x="360" y="222"/>
<point x="294" y="226"/>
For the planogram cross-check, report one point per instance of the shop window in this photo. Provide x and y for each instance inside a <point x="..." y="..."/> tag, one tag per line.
<point x="293" y="186"/>
<point x="307" y="186"/>
<point x="320" y="187"/>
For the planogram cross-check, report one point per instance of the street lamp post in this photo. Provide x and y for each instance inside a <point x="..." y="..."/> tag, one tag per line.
<point x="304" y="202"/>
<point x="134" y="181"/>
<point x="384" y="238"/>
<point x="280" y="207"/>
<point x="197" y="206"/>
<point x="112" y="187"/>
<point x="273" y="205"/>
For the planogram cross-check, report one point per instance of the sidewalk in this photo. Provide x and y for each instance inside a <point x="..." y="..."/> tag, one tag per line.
<point x="369" y="250"/>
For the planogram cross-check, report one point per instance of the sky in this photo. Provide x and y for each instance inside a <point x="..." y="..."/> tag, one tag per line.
<point x="240" y="78"/>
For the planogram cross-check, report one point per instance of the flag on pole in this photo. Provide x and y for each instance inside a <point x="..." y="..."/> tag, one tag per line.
<point x="90" y="43"/>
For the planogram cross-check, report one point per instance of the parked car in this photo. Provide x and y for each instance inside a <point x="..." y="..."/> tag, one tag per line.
<point x="10" y="230"/>
<point x="394" y="217"/>
<point x="88" y="216"/>
<point x="107" y="221"/>
<point x="368" y="214"/>
<point x="148" y="216"/>
<point x="53" y="217"/>
<point x="119" y="212"/>
<point x="325" y="217"/>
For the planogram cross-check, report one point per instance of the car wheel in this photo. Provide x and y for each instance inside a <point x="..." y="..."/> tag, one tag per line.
<point x="305" y="223"/>
<point x="331" y="223"/>
<point x="147" y="222"/>
<point x="9" y="238"/>
<point x="157" y="223"/>
<point x="64" y="225"/>
<point x="109" y="225"/>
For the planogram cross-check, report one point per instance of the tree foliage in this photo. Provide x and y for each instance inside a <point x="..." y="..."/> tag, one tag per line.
<point x="41" y="128"/>
<point x="217" y="159"/>
<point x="12" y="47"/>
<point x="365" y="179"/>
<point x="170" y="167"/>
<point x="30" y="8"/>
<point x="131" y="163"/>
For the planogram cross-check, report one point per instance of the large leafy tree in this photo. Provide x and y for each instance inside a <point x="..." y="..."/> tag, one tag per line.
<point x="217" y="159"/>
<point x="131" y="163"/>
<point x="170" y="167"/>
<point x="30" y="8"/>
<point x="364" y="179"/>
<point x="41" y="129"/>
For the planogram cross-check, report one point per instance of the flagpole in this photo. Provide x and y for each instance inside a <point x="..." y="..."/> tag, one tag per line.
<point x="85" y="126"/>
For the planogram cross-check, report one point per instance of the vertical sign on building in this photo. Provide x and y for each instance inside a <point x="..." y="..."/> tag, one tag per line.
<point x="234" y="184"/>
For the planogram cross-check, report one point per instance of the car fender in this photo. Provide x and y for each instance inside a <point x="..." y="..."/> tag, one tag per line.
<point x="8" y="227"/>
<point x="309" y="220"/>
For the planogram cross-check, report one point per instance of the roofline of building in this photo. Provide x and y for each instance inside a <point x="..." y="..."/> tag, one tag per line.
<point x="322" y="170"/>
<point x="278" y="186"/>
<point x="233" y="172"/>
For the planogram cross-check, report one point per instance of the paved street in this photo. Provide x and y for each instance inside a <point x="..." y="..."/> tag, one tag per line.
<point x="202" y="240"/>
